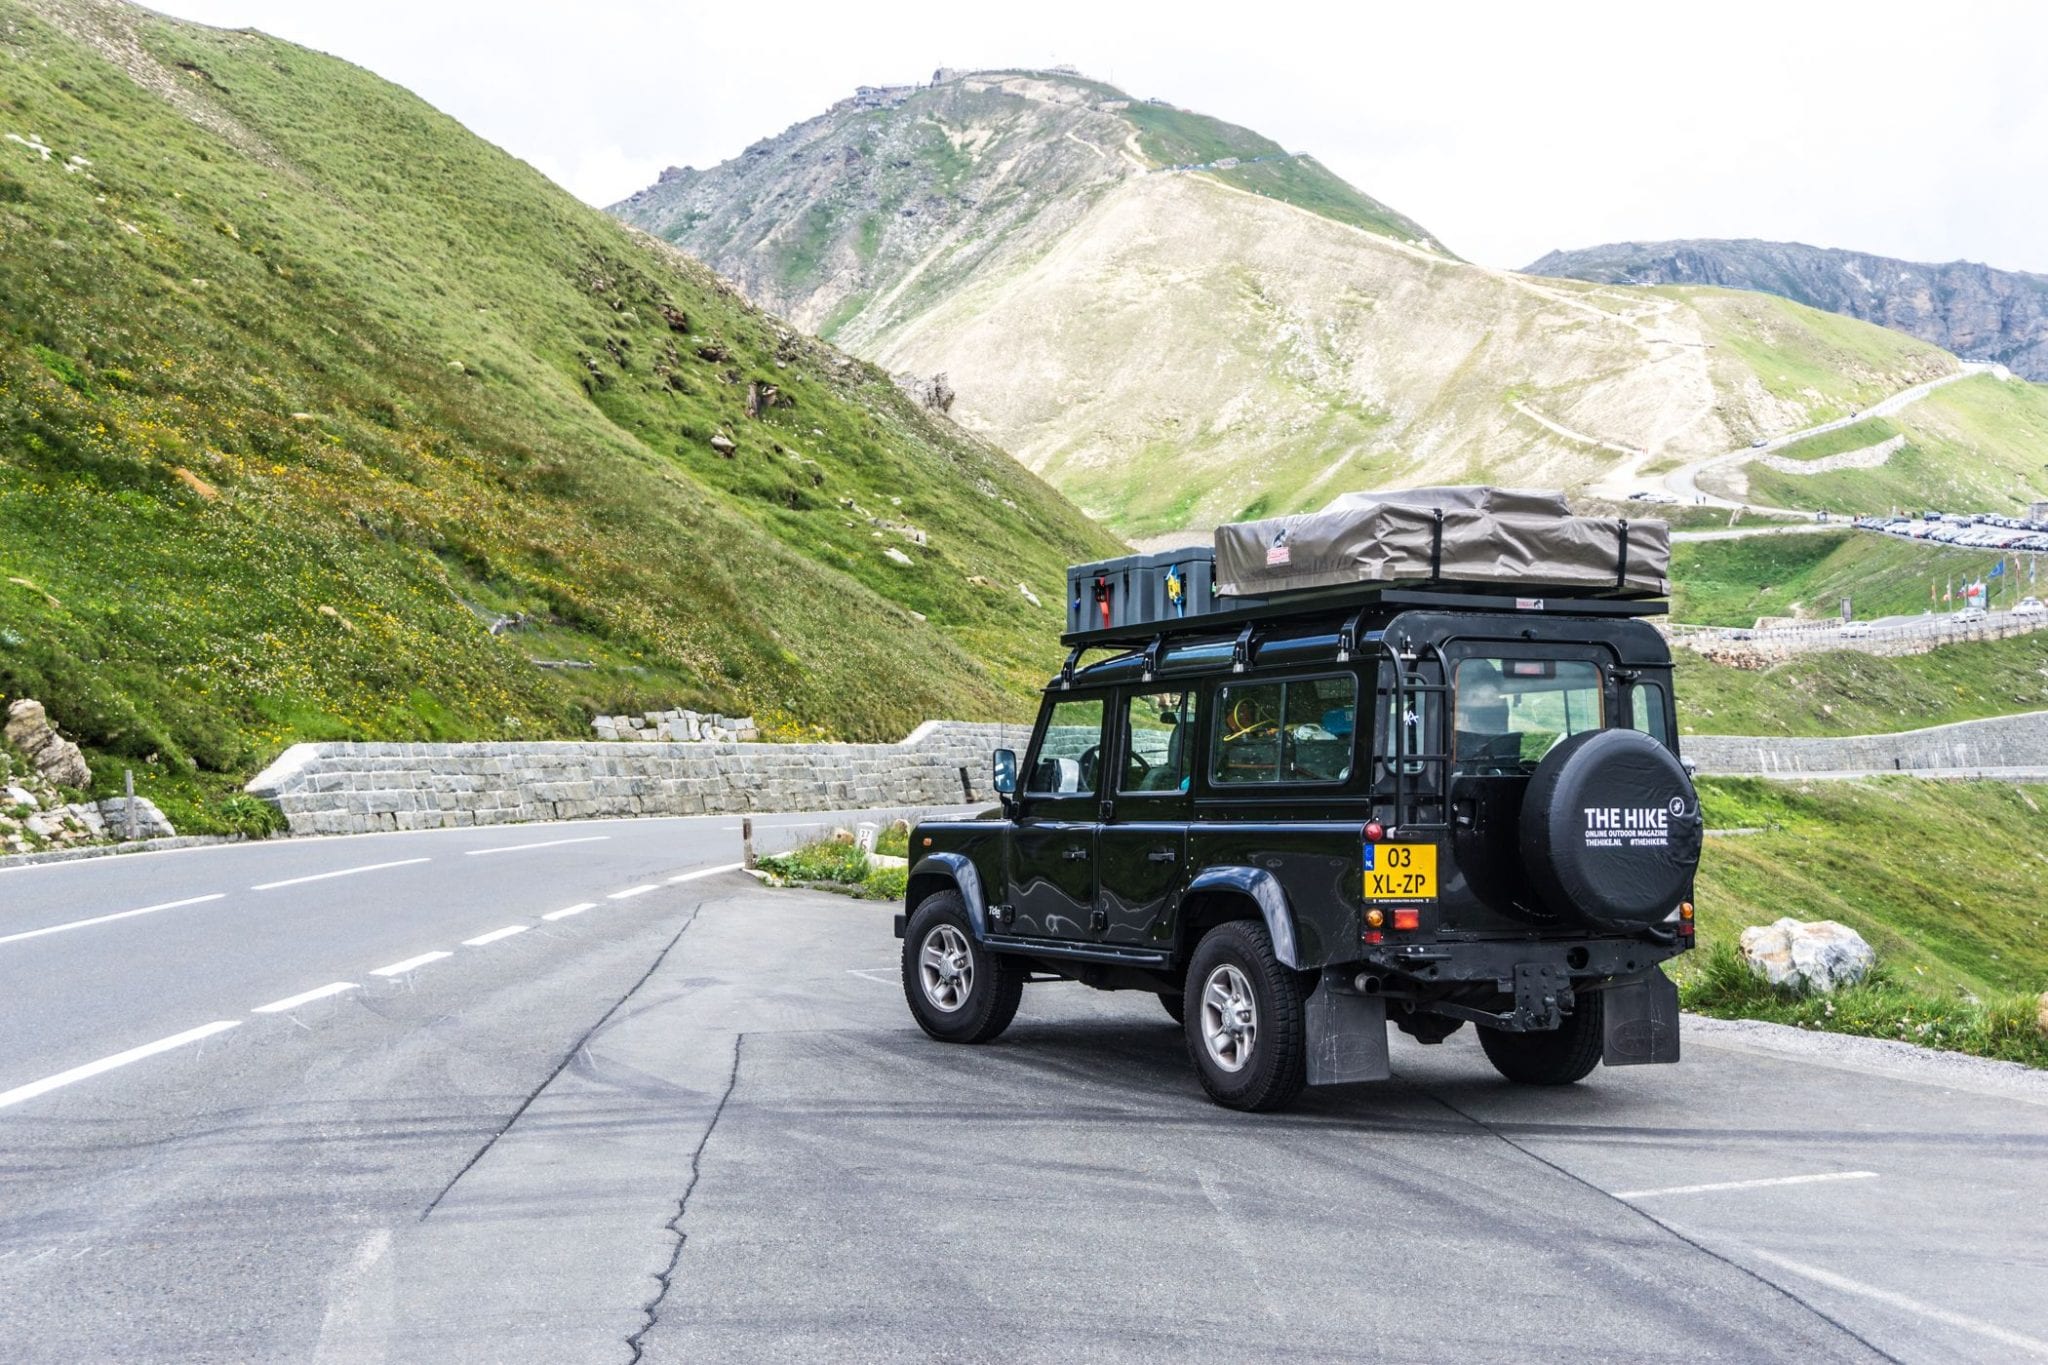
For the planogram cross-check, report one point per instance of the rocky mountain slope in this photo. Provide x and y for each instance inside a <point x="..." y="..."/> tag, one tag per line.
<point x="1174" y="341"/>
<point x="1970" y="309"/>
<point x="322" y="418"/>
<point x="853" y="222"/>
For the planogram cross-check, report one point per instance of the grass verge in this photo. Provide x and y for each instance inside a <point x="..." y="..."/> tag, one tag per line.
<point x="2001" y="1025"/>
<point x="832" y="866"/>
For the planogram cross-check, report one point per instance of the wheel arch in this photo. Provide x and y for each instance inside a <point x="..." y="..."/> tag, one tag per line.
<point x="937" y="872"/>
<point x="1219" y="895"/>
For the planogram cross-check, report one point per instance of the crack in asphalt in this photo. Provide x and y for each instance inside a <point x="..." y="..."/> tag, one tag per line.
<point x="637" y="1343"/>
<point x="1656" y="1222"/>
<point x="575" y="1049"/>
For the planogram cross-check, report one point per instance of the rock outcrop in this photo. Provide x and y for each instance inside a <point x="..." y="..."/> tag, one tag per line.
<point x="1976" y="311"/>
<point x="1808" y="955"/>
<point x="30" y="730"/>
<point x="935" y="393"/>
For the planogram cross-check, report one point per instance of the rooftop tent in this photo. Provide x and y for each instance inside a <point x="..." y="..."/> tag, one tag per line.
<point x="1509" y="537"/>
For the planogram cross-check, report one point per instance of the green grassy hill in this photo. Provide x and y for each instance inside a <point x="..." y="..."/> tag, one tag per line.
<point x="1956" y="918"/>
<point x="1733" y="582"/>
<point x="1845" y="692"/>
<point x="303" y="386"/>
<point x="1975" y="445"/>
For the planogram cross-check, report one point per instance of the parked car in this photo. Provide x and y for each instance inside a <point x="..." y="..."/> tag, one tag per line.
<point x="2030" y="606"/>
<point x="1305" y="819"/>
<point x="1968" y="614"/>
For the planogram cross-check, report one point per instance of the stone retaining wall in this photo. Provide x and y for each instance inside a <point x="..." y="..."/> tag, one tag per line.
<point x="2000" y="742"/>
<point x="1761" y="649"/>
<point x="360" y="788"/>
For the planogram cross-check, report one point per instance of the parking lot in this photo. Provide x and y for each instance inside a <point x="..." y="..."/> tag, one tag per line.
<point x="699" y="1124"/>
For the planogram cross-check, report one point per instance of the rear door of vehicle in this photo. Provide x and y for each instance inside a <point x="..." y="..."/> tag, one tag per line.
<point x="1141" y="847"/>
<point x="1052" y="849"/>
<point x="1510" y="702"/>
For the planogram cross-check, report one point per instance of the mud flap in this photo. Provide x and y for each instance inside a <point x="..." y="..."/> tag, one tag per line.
<point x="1347" y="1036"/>
<point x="1641" y="1021"/>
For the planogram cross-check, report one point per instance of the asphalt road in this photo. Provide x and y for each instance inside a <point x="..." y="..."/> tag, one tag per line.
<point x="696" y="1123"/>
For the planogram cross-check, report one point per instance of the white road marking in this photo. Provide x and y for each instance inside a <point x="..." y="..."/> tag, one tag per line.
<point x="631" y="892"/>
<point x="2004" y="1336"/>
<point x="292" y="1002"/>
<point x="1747" y="1184"/>
<point x="492" y="937"/>
<point x="881" y="976"/>
<point x="108" y="919"/>
<point x="401" y="968"/>
<point x="567" y="911"/>
<point x="344" y="872"/>
<point x="545" y="843"/>
<point x="104" y="1064"/>
<point x="706" y="872"/>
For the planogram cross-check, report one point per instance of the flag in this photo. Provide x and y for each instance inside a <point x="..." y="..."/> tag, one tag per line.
<point x="1997" y="570"/>
<point x="1950" y="594"/>
<point x="1933" y="591"/>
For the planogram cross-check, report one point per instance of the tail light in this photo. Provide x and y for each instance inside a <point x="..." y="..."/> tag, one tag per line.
<point x="1407" y="918"/>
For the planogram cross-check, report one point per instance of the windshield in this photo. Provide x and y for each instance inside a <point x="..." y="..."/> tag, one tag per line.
<point x="1511" y="711"/>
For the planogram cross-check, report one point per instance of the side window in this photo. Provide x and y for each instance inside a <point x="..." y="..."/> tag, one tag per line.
<point x="1161" y="727"/>
<point x="1646" y="711"/>
<point x="1071" y="751"/>
<point x="1296" y="731"/>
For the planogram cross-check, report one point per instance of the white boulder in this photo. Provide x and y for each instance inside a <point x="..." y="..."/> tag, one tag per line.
<point x="1809" y="955"/>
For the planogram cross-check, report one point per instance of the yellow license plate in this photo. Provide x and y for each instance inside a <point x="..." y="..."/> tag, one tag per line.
<point x="1400" y="872"/>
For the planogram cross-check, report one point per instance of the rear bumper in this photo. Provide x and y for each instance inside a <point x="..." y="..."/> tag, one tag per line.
<point x="1583" y="961"/>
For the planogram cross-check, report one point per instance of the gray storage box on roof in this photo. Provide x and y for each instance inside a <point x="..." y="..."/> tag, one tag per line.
<point x="1141" y="590"/>
<point x="1494" y="536"/>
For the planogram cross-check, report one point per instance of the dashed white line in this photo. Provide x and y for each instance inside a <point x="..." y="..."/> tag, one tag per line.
<point x="569" y="910"/>
<point x="344" y="872"/>
<point x="1747" y="1184"/>
<point x="108" y="919"/>
<point x="292" y="1002"/>
<point x="631" y="892"/>
<point x="119" y="1059"/>
<point x="2004" y="1336"/>
<point x="492" y="937"/>
<point x="401" y="968"/>
<point x="545" y="843"/>
<point x="706" y="872"/>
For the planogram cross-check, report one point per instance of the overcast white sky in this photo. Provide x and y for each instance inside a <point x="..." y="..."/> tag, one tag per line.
<point x="1911" y="130"/>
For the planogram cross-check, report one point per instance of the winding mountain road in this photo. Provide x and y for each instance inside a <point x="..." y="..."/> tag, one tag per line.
<point x="1683" y="482"/>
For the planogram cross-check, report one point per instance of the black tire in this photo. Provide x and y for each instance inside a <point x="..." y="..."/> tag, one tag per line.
<point x="1172" y="1004"/>
<point x="1558" y="1057"/>
<point x="1275" y="1058"/>
<point x="987" y="986"/>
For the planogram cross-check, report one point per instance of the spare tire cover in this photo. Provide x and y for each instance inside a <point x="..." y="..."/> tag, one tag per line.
<point x="1611" y="829"/>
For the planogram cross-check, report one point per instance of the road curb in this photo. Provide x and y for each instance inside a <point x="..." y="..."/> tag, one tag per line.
<point x="1877" y="1056"/>
<point x="72" y="855"/>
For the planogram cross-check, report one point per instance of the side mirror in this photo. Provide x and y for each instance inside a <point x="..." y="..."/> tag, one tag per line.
<point x="1005" y="780"/>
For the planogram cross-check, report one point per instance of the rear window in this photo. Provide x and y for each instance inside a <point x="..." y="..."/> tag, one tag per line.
<point x="1297" y="731"/>
<point x="1510" y="712"/>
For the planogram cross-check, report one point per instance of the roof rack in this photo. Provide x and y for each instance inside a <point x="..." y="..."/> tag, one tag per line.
<point x="1355" y="606"/>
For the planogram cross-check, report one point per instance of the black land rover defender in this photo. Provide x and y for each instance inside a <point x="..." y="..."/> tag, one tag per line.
<point x="1294" y="821"/>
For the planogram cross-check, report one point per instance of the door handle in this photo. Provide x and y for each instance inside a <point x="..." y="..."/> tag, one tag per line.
<point x="1075" y="855"/>
<point x="1161" y="855"/>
